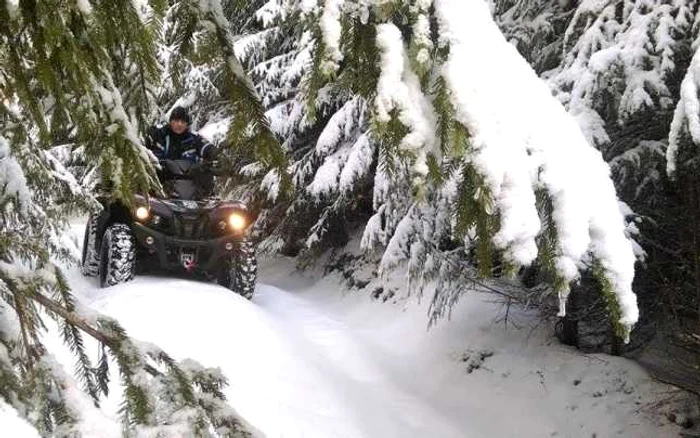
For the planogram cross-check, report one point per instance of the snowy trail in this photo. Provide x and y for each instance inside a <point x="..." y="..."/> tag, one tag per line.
<point x="292" y="370"/>
<point x="305" y="359"/>
<point x="380" y="404"/>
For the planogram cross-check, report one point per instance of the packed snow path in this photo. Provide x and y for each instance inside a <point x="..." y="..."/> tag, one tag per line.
<point x="305" y="359"/>
<point x="293" y="371"/>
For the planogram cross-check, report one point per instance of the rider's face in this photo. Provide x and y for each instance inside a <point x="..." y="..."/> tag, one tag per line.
<point x="178" y="126"/>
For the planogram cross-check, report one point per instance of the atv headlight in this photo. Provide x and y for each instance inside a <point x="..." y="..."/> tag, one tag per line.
<point x="236" y="221"/>
<point x="142" y="213"/>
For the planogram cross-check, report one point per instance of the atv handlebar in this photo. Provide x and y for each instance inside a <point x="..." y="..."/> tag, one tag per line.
<point x="215" y="168"/>
<point x="184" y="169"/>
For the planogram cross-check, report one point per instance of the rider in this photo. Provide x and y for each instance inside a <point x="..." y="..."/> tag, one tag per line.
<point x="175" y="141"/>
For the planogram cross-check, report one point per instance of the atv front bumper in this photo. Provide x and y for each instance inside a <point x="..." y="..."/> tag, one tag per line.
<point x="173" y="253"/>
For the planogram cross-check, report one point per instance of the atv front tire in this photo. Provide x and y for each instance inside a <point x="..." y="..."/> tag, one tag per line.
<point x="242" y="271"/>
<point x="90" y="262"/>
<point x="117" y="255"/>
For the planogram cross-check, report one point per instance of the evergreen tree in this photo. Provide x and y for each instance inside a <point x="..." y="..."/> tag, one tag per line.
<point x="83" y="75"/>
<point x="617" y="70"/>
<point x="536" y="28"/>
<point x="277" y="54"/>
<point x="621" y="73"/>
<point x="682" y="166"/>
<point x="389" y="111"/>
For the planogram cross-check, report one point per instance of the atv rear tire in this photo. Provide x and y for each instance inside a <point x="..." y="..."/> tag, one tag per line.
<point x="90" y="262"/>
<point x="242" y="271"/>
<point x="117" y="255"/>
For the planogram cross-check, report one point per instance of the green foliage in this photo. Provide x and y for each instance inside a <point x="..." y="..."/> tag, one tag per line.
<point x="476" y="216"/>
<point x="94" y="383"/>
<point x="612" y="306"/>
<point x="389" y="136"/>
<point x="547" y="243"/>
<point x="66" y="65"/>
<point x="315" y="79"/>
<point x="361" y="57"/>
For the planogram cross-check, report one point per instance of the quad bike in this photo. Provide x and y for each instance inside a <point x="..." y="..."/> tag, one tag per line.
<point x="185" y="233"/>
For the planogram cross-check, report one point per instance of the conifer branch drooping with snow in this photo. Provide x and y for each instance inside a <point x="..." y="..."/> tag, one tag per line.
<point x="62" y="90"/>
<point x="441" y="112"/>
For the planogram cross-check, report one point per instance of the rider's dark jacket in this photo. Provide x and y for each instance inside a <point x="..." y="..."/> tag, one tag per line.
<point x="165" y="144"/>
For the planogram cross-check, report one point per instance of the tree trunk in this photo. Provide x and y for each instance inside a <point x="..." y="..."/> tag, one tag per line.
<point x="696" y="247"/>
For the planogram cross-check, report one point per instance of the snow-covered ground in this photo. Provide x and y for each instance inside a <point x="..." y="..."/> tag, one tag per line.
<point x="13" y="425"/>
<point x="306" y="358"/>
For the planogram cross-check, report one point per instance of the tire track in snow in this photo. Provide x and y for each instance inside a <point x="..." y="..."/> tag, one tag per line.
<point x="381" y="406"/>
<point x="293" y="371"/>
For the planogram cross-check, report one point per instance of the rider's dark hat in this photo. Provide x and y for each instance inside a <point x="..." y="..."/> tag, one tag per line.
<point x="180" y="113"/>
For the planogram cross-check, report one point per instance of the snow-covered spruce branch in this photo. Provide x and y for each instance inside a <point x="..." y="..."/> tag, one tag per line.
<point x="475" y="104"/>
<point x="614" y="65"/>
<point x="199" y="388"/>
<point x="80" y="99"/>
<point x="627" y="49"/>
<point x="617" y="66"/>
<point x="160" y="394"/>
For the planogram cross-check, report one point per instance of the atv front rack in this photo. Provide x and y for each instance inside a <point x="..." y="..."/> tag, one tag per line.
<point x="173" y="252"/>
